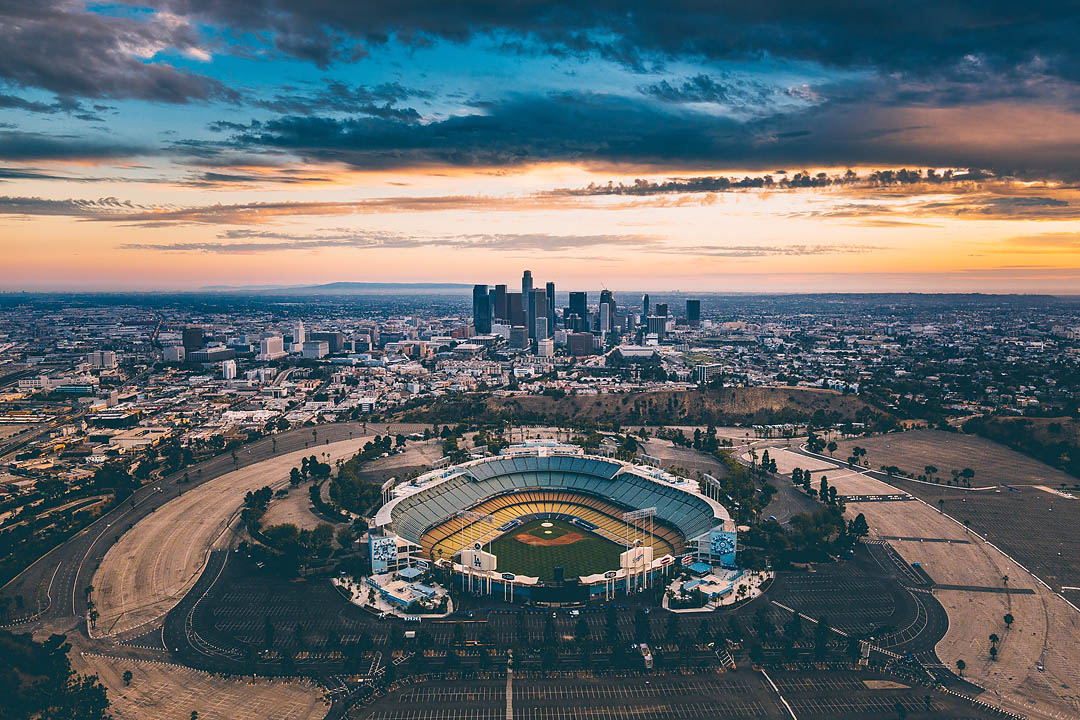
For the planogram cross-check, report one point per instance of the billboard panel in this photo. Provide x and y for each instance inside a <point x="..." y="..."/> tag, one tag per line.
<point x="478" y="560"/>
<point x="638" y="558"/>
<point x="722" y="546"/>
<point x="383" y="552"/>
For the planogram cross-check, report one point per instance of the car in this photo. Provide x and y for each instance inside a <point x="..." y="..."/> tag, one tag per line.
<point x="1039" y="666"/>
<point x="575" y="613"/>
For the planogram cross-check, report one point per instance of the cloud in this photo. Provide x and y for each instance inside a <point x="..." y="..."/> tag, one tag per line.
<point x="785" y="181"/>
<point x="727" y="89"/>
<point x="255" y="241"/>
<point x="604" y="130"/>
<point x="895" y="37"/>
<point x="338" y="97"/>
<point x="29" y="146"/>
<point x="57" y="46"/>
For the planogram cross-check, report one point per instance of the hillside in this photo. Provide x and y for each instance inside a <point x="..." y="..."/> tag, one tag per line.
<point x="726" y="406"/>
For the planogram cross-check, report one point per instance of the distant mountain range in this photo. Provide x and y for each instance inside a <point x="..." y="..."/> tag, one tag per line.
<point x="342" y="288"/>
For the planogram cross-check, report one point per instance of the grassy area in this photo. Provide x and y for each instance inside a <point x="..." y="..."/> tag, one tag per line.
<point x="591" y="554"/>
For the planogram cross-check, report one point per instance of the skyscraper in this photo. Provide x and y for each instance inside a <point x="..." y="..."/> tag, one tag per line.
<point x="499" y="311"/>
<point x="529" y="301"/>
<point x="607" y="311"/>
<point x="645" y="305"/>
<point x="550" y="287"/>
<point x="661" y="309"/>
<point x="481" y="309"/>
<point x="579" y="304"/>
<point x="693" y="312"/>
<point x="538" y="303"/>
<point x="193" y="338"/>
<point x="515" y="309"/>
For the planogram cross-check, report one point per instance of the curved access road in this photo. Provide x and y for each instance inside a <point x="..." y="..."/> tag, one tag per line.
<point x="153" y="565"/>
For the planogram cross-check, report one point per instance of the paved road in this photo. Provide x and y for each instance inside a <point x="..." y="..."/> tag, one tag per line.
<point x="53" y="587"/>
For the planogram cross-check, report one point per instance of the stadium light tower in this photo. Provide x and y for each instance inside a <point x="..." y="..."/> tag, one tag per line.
<point x="638" y="527"/>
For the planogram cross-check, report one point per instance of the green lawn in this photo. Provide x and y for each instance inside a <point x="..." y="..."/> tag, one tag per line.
<point x="589" y="555"/>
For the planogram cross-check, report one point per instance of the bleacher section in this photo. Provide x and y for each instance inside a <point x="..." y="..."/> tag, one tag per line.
<point x="586" y="482"/>
<point x="600" y="516"/>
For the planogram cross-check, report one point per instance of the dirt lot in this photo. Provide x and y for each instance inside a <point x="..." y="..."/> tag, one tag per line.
<point x="670" y="407"/>
<point x="295" y="508"/>
<point x="1045" y="630"/>
<point x="160" y="691"/>
<point x="993" y="463"/>
<point x="152" y="566"/>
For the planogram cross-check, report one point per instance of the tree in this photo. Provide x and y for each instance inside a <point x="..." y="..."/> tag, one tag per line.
<point x="1008" y="619"/>
<point x="757" y="654"/>
<point x="960" y="665"/>
<point x="831" y="447"/>
<point x="859" y="527"/>
<point x="642" y="631"/>
<point x="993" y="639"/>
<point x="993" y="652"/>
<point x="194" y="715"/>
<point x="821" y="639"/>
<point x="295" y="478"/>
<point x="127" y="678"/>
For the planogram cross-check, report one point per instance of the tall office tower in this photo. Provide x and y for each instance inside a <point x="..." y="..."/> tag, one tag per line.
<point x="481" y="309"/>
<point x="579" y="304"/>
<point x="550" y="287"/>
<point x="298" y="333"/>
<point x="193" y="338"/>
<point x="658" y="325"/>
<point x="515" y="309"/>
<point x="693" y="312"/>
<point x="607" y="308"/>
<point x="529" y="300"/>
<point x="538" y="305"/>
<point x="661" y="309"/>
<point x="645" y="305"/>
<point x="519" y="337"/>
<point x="228" y="370"/>
<point x="491" y="303"/>
<point x="499" y="310"/>
<point x="542" y="332"/>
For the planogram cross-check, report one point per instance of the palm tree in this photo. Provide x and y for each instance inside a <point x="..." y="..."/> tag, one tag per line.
<point x="993" y="639"/>
<point x="960" y="665"/>
<point x="1008" y="619"/>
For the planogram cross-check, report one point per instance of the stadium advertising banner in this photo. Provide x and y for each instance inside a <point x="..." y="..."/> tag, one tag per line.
<point x="722" y="545"/>
<point x="478" y="560"/>
<point x="637" y="559"/>
<point x="383" y="552"/>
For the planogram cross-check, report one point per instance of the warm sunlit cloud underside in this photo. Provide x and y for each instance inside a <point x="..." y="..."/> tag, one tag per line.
<point x="482" y="226"/>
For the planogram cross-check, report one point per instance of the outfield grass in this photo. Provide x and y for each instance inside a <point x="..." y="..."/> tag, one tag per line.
<point x="591" y="554"/>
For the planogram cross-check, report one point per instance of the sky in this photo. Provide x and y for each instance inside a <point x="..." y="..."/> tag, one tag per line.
<point x="774" y="146"/>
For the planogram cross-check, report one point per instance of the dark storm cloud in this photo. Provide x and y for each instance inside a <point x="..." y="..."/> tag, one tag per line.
<point x="58" y="46"/>
<point x="338" y="97"/>
<point x="596" y="129"/>
<point x="914" y="37"/>
<point x="565" y="127"/>
<point x="29" y="146"/>
<point x="725" y="89"/>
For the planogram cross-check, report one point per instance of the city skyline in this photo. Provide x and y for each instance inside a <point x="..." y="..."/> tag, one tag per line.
<point x="186" y="145"/>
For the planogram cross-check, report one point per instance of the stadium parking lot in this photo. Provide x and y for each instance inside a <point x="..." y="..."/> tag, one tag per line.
<point x="743" y="695"/>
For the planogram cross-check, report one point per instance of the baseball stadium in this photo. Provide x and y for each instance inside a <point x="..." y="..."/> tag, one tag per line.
<point x="545" y="522"/>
